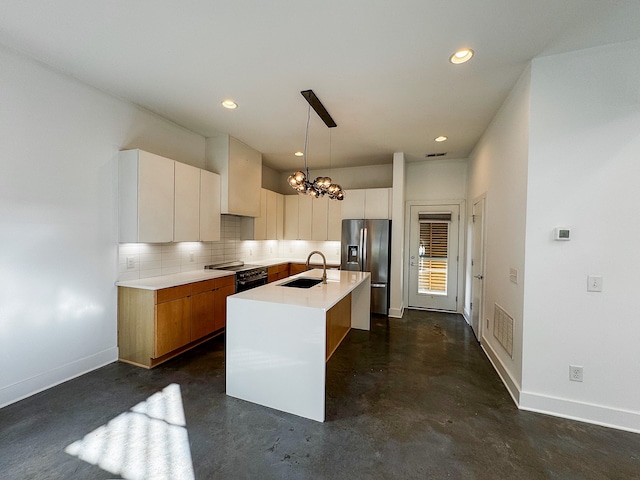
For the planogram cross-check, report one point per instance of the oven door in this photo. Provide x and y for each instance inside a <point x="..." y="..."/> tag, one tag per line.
<point x="252" y="282"/>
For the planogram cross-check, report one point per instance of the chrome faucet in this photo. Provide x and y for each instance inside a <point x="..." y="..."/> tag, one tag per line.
<point x="324" y="264"/>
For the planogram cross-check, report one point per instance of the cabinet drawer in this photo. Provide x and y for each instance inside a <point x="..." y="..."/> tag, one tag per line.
<point x="204" y="286"/>
<point x="173" y="293"/>
<point x="225" y="281"/>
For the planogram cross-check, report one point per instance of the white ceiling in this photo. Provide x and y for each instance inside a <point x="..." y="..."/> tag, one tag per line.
<point x="380" y="67"/>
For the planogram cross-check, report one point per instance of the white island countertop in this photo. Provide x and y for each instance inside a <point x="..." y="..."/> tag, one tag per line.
<point x="323" y="296"/>
<point x="278" y="339"/>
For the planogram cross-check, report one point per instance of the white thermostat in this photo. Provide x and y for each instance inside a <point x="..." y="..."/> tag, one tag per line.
<point x="562" y="233"/>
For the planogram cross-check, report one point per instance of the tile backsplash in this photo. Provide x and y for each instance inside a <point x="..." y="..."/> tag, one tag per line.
<point x="143" y="260"/>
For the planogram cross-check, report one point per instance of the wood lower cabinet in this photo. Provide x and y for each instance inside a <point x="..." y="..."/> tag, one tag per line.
<point x="220" y="305"/>
<point x="173" y="329"/>
<point x="156" y="325"/>
<point x="277" y="272"/>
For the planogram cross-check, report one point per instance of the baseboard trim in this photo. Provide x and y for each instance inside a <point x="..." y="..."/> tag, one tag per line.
<point x="396" y="312"/>
<point x="38" y="383"/>
<point x="580" y="411"/>
<point x="510" y="384"/>
<point x="626" y="420"/>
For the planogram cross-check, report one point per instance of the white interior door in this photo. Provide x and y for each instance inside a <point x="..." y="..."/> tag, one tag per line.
<point x="433" y="257"/>
<point x="477" y="267"/>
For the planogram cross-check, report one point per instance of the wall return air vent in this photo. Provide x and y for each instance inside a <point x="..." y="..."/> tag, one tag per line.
<point x="431" y="155"/>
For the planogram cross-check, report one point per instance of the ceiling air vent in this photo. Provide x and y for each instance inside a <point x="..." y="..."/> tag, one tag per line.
<point x="431" y="155"/>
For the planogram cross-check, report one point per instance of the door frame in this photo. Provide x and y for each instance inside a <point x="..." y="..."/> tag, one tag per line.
<point x="462" y="228"/>
<point x="483" y="247"/>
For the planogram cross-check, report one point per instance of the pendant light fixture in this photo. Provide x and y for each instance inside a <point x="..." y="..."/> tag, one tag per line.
<point x="299" y="181"/>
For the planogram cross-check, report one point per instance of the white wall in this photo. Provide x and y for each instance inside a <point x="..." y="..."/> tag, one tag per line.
<point x="58" y="218"/>
<point x="396" y="297"/>
<point x="583" y="172"/>
<point x="498" y="167"/>
<point x="433" y="180"/>
<point x="351" y="178"/>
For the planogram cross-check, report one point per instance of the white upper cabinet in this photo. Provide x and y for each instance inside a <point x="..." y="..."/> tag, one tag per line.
<point x="334" y="220"/>
<point x="370" y="203"/>
<point x="209" y="206"/>
<point x="291" y="217"/>
<point x="240" y="169"/>
<point x="162" y="201"/>
<point x="377" y="203"/>
<point x="186" y="203"/>
<point x="146" y="197"/>
<point x="353" y="204"/>
<point x="308" y="218"/>
<point x="271" y="212"/>
<point x="320" y="211"/>
<point x="267" y="226"/>
<point x="305" y="217"/>
<point x="279" y="217"/>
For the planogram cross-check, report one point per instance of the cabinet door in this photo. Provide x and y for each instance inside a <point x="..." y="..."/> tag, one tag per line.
<point x="155" y="198"/>
<point x="279" y="216"/>
<point x="291" y="217"/>
<point x="186" y="203"/>
<point x="173" y="325"/>
<point x="202" y="314"/>
<point x="305" y="213"/>
<point x="209" y="206"/>
<point x="353" y="204"/>
<point x="220" y="309"/>
<point x="334" y="221"/>
<point x="320" y="211"/>
<point x="376" y="204"/>
<point x="296" y="268"/>
<point x="271" y="211"/>
<point x="260" y="222"/>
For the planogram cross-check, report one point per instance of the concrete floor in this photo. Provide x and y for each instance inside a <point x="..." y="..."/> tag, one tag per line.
<point x="413" y="398"/>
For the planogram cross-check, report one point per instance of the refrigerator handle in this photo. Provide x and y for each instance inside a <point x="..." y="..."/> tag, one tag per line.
<point x="364" y="248"/>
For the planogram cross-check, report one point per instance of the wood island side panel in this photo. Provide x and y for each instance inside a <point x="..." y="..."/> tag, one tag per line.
<point x="338" y="324"/>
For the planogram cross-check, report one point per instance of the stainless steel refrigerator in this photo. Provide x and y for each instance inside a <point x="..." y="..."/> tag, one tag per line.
<point x="366" y="247"/>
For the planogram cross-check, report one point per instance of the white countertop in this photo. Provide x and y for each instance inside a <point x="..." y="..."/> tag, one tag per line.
<point x="167" y="281"/>
<point x="339" y="284"/>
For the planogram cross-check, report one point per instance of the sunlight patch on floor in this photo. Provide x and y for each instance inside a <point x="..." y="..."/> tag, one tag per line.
<point x="149" y="441"/>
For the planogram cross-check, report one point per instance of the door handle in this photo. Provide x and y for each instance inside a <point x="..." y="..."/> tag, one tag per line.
<point x="479" y="277"/>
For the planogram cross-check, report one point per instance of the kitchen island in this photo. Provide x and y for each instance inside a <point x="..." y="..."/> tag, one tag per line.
<point x="279" y="338"/>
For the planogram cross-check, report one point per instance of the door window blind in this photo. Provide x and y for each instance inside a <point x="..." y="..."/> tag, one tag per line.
<point x="433" y="251"/>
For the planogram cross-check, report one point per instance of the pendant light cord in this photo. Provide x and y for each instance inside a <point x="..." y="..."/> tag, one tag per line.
<point x="306" y="140"/>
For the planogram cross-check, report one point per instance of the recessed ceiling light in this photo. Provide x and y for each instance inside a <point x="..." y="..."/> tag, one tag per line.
<point x="441" y="138"/>
<point x="461" y="56"/>
<point x="228" y="103"/>
<point x="299" y="154"/>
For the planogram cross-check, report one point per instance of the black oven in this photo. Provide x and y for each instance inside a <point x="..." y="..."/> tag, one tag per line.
<point x="247" y="279"/>
<point x="247" y="276"/>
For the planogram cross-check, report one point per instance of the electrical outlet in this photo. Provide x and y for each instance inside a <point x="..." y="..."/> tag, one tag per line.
<point x="192" y="257"/>
<point x="575" y="373"/>
<point x="130" y="262"/>
<point x="250" y="252"/>
<point x="594" y="283"/>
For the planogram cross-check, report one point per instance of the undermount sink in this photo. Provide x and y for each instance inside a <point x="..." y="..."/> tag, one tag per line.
<point x="302" y="282"/>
